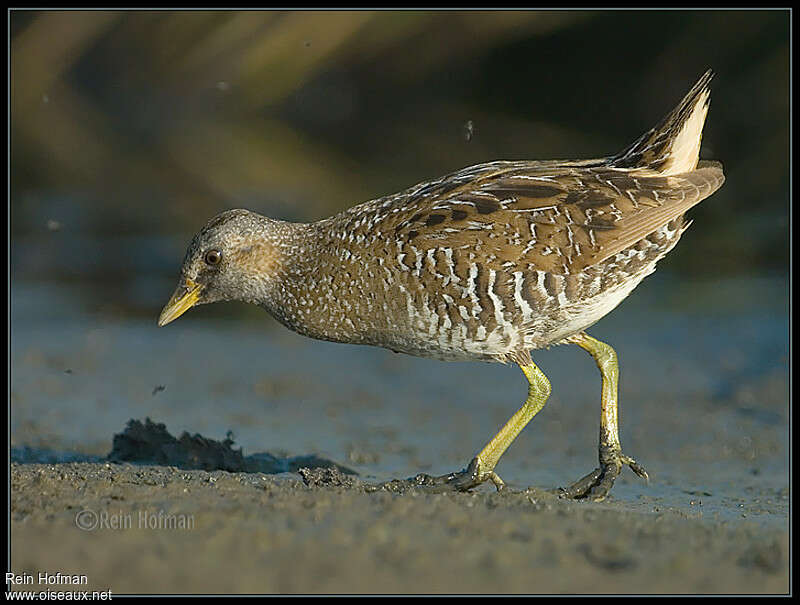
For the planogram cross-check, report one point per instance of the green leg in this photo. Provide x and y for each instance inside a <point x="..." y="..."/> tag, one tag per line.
<point x="481" y="468"/>
<point x="597" y="484"/>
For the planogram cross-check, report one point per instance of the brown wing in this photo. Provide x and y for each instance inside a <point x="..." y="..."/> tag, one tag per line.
<point x="650" y="204"/>
<point x="559" y="220"/>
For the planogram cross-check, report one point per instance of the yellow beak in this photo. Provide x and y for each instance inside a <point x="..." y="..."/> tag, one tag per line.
<point x="183" y="299"/>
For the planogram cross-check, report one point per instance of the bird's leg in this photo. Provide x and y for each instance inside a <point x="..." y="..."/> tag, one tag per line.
<point x="481" y="468"/>
<point x="597" y="484"/>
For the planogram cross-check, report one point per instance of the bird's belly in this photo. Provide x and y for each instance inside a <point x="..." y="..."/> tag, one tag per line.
<point x="543" y="311"/>
<point x="456" y="346"/>
<point x="462" y="342"/>
<point x="604" y="287"/>
<point x="446" y="323"/>
<point x="584" y="313"/>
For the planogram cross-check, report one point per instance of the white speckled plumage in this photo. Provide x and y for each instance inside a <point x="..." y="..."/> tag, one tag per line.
<point x="486" y="263"/>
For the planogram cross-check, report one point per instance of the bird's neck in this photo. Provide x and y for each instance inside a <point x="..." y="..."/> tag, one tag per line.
<point x="311" y="290"/>
<point x="290" y="283"/>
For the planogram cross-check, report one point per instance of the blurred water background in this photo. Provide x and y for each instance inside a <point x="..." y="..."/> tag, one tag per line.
<point x="130" y="129"/>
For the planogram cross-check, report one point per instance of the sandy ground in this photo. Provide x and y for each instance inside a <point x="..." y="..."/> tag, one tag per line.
<point x="704" y="407"/>
<point x="167" y="530"/>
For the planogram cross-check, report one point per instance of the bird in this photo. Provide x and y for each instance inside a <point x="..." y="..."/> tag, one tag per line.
<point x="487" y="263"/>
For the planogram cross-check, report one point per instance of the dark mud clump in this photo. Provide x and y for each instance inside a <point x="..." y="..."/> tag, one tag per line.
<point x="152" y="443"/>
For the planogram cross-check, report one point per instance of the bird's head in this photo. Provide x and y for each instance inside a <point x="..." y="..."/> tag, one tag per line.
<point x="236" y="256"/>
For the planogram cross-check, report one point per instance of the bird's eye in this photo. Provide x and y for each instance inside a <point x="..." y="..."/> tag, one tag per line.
<point x="213" y="257"/>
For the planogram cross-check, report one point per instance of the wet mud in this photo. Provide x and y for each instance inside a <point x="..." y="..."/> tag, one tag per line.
<point x="170" y="530"/>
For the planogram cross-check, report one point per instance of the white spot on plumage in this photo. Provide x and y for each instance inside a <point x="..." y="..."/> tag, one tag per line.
<point x="496" y="302"/>
<point x="524" y="307"/>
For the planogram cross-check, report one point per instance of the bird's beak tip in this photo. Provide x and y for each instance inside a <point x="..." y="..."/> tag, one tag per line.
<point x="184" y="298"/>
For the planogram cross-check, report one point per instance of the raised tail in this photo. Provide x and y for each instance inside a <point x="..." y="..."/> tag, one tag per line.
<point x="673" y="146"/>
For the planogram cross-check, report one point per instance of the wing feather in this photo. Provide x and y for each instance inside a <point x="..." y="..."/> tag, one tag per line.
<point x="561" y="220"/>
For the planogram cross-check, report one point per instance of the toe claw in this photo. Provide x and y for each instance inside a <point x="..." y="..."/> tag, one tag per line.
<point x="636" y="467"/>
<point x="499" y="484"/>
<point x="597" y="484"/>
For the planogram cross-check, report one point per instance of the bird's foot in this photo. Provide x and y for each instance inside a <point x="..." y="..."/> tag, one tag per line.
<point x="596" y="485"/>
<point x="460" y="481"/>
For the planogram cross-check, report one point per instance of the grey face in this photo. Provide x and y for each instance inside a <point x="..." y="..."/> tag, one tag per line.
<point x="220" y="264"/>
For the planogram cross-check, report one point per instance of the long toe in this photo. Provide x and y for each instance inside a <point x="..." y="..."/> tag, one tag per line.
<point x="460" y="481"/>
<point x="581" y="487"/>
<point x="596" y="485"/>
